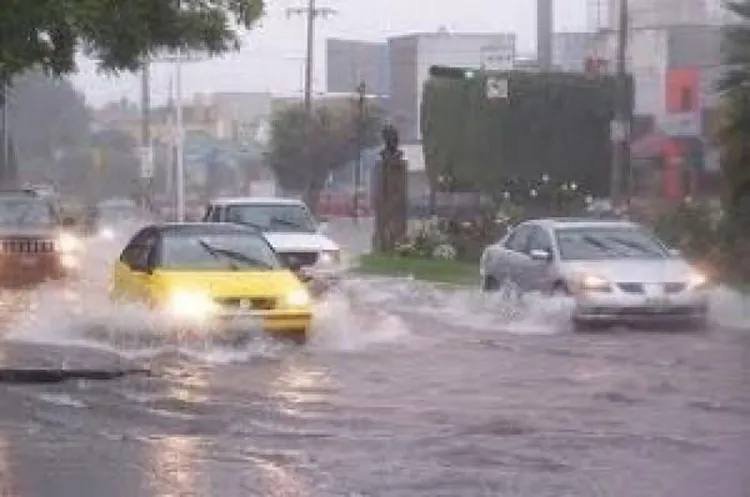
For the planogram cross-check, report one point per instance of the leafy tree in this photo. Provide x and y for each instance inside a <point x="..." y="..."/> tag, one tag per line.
<point x="303" y="157"/>
<point x="50" y="33"/>
<point x="735" y="140"/>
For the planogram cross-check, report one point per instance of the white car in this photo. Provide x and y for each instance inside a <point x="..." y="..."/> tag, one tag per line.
<point x="287" y="224"/>
<point x="616" y="271"/>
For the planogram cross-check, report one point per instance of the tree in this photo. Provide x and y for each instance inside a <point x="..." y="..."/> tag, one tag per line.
<point x="734" y="137"/>
<point x="50" y="33"/>
<point x="48" y="120"/>
<point x="303" y="158"/>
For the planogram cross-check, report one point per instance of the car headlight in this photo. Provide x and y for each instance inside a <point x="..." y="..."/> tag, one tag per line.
<point x="591" y="282"/>
<point x="330" y="257"/>
<point x="107" y="233"/>
<point x="190" y="304"/>
<point x="697" y="280"/>
<point x="297" y="298"/>
<point x="68" y="243"/>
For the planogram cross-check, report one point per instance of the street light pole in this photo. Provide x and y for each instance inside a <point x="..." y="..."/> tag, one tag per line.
<point x="361" y="93"/>
<point x="6" y="133"/>
<point x="621" y="135"/>
<point x="180" y="139"/>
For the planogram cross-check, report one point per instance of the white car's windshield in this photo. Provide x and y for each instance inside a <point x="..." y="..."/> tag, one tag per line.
<point x="273" y="217"/>
<point x="580" y="244"/>
<point x="217" y="252"/>
<point x="25" y="211"/>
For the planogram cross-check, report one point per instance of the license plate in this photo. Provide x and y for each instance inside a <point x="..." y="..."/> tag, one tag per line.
<point x="28" y="261"/>
<point x="657" y="301"/>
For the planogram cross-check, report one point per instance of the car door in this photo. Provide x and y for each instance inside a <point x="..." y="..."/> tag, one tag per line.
<point x="131" y="278"/>
<point x="508" y="257"/>
<point x="537" y="275"/>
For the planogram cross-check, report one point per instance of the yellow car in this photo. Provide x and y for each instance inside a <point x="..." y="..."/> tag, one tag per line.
<point x="212" y="274"/>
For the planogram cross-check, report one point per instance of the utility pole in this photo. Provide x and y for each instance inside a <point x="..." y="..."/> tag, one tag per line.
<point x="621" y="127"/>
<point x="147" y="163"/>
<point x="311" y="11"/>
<point x="6" y="133"/>
<point x="361" y="94"/>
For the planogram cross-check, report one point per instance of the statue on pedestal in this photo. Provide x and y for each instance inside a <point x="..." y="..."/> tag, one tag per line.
<point x="391" y="197"/>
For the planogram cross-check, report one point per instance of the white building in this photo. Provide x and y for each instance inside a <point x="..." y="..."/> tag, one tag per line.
<point x="411" y="56"/>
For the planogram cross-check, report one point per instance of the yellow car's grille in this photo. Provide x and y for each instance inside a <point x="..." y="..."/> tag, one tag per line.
<point x="248" y="303"/>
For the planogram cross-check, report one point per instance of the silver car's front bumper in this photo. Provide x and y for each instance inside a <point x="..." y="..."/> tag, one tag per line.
<point x="620" y="307"/>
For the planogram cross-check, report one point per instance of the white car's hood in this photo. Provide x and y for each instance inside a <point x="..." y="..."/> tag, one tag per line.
<point x="634" y="271"/>
<point x="300" y="242"/>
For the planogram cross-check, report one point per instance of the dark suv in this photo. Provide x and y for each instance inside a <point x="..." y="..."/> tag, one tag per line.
<point x="35" y="241"/>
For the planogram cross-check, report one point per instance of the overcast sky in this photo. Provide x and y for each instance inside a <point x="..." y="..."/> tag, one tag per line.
<point x="272" y="56"/>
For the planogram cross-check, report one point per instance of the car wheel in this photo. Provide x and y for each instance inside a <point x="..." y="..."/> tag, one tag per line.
<point x="510" y="290"/>
<point x="559" y="290"/>
<point x="582" y="326"/>
<point x="699" y="324"/>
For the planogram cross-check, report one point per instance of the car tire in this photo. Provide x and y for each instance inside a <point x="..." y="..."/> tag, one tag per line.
<point x="583" y="326"/>
<point x="559" y="290"/>
<point x="700" y="324"/>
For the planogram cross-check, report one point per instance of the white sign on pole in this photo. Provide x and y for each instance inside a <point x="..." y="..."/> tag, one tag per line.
<point x="147" y="162"/>
<point x="497" y="88"/>
<point x="684" y="124"/>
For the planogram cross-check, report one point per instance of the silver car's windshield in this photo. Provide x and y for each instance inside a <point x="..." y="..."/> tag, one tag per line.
<point x="599" y="243"/>
<point x="273" y="217"/>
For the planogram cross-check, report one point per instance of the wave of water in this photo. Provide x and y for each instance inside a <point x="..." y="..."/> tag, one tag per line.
<point x="362" y="314"/>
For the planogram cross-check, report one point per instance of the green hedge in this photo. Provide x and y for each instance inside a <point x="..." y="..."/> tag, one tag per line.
<point x="556" y="124"/>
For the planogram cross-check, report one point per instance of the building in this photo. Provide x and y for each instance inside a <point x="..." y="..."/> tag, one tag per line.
<point x="349" y="62"/>
<point x="654" y="13"/>
<point x="411" y="56"/>
<point x="570" y="50"/>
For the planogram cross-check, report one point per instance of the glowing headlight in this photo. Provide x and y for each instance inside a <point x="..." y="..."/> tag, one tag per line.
<point x="190" y="304"/>
<point x="330" y="257"/>
<point x="68" y="243"/>
<point x="107" y="233"/>
<point x="596" y="283"/>
<point x="297" y="298"/>
<point x="697" y="280"/>
<point x="69" y="261"/>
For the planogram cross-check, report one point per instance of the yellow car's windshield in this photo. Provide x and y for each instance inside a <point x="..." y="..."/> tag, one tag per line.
<point x="218" y="252"/>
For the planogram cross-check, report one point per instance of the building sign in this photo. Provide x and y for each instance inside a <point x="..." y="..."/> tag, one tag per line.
<point x="683" y="87"/>
<point x="498" y="56"/>
<point x="684" y="124"/>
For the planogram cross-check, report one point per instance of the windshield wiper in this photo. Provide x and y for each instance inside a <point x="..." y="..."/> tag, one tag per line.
<point x="251" y="224"/>
<point x="234" y="255"/>
<point x="602" y="246"/>
<point x="216" y="254"/>
<point x="290" y="224"/>
<point x="634" y="246"/>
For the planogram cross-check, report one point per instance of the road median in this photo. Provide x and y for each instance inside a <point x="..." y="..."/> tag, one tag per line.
<point x="459" y="273"/>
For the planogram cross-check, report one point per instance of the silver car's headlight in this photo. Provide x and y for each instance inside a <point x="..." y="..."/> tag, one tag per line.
<point x="697" y="280"/>
<point x="107" y="233"/>
<point x="330" y="257"/>
<point x="594" y="283"/>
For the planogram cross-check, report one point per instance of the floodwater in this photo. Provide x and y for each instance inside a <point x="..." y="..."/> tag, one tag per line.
<point x="405" y="389"/>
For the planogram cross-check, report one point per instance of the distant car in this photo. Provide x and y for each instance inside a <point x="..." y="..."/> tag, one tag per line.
<point x="36" y="243"/>
<point x="109" y="216"/>
<point x="217" y="274"/>
<point x="616" y="271"/>
<point x="288" y="226"/>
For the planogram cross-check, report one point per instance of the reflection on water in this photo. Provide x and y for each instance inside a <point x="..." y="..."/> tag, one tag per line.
<point x="300" y="386"/>
<point x="9" y="486"/>
<point x="175" y="467"/>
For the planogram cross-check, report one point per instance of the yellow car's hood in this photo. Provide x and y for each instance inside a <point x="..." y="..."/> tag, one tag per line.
<point x="220" y="284"/>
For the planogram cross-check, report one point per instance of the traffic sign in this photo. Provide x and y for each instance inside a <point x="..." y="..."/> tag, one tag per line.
<point x="497" y="88"/>
<point x="147" y="162"/>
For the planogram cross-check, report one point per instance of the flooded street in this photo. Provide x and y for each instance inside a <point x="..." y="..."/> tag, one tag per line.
<point x="405" y="389"/>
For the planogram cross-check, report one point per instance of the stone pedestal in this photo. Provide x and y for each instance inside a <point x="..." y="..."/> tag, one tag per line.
<point x="390" y="201"/>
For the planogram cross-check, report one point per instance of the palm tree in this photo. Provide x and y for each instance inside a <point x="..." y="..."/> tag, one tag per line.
<point x="735" y="138"/>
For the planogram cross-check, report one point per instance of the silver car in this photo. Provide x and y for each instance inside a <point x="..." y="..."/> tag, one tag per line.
<point x="617" y="271"/>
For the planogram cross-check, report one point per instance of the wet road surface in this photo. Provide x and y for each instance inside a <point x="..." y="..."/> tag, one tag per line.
<point x="406" y="390"/>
